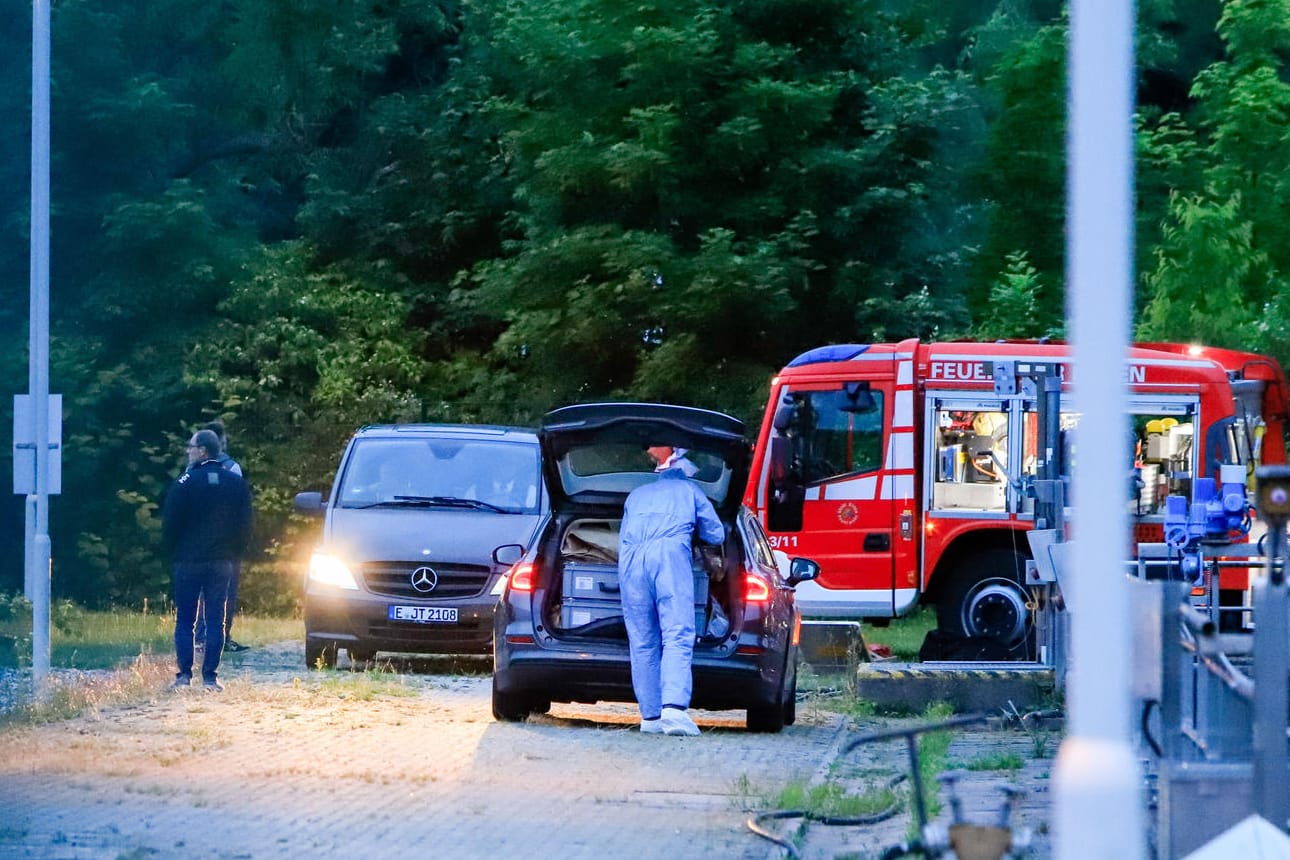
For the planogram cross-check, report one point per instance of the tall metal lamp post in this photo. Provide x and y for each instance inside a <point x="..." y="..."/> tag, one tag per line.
<point x="35" y="472"/>
<point x="1096" y="783"/>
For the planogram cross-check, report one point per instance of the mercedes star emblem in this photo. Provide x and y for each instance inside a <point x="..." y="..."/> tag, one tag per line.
<point x="424" y="579"/>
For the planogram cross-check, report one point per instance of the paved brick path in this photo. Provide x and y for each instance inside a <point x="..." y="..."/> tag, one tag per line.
<point x="287" y="763"/>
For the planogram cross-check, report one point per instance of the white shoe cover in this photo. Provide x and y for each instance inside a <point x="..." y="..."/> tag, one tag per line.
<point x="677" y="722"/>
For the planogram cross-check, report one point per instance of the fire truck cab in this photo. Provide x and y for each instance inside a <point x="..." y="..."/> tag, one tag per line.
<point x="909" y="475"/>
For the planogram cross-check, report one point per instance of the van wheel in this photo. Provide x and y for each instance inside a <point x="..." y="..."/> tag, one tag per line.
<point x="320" y="655"/>
<point x="986" y="598"/>
<point x="514" y="707"/>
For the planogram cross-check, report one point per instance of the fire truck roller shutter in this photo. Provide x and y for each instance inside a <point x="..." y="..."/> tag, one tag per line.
<point x="985" y="596"/>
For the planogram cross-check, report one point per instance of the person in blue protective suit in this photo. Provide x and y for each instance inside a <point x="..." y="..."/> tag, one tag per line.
<point x="656" y="582"/>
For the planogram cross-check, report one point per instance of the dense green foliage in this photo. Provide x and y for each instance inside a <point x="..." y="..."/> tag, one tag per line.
<point x="307" y="217"/>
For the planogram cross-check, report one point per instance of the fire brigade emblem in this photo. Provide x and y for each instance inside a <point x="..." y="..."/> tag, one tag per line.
<point x="847" y="514"/>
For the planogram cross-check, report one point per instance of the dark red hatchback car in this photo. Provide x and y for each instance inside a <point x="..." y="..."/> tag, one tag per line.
<point x="559" y="634"/>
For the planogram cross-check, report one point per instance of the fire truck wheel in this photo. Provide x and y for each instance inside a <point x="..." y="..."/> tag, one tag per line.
<point x="985" y="598"/>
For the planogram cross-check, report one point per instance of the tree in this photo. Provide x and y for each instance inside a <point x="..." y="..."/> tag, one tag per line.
<point x="1024" y="173"/>
<point x="1223" y="249"/>
<point x="184" y="136"/>
<point x="1014" y="303"/>
<point x="709" y="189"/>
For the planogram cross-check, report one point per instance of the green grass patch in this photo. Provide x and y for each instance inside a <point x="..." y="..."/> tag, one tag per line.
<point x="995" y="761"/>
<point x="904" y="636"/>
<point x="830" y="800"/>
<point x="365" y="686"/>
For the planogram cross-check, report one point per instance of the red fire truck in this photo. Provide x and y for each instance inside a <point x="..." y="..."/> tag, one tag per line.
<point x="906" y="473"/>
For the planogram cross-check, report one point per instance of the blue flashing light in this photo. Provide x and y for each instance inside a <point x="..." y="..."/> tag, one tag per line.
<point x="833" y="352"/>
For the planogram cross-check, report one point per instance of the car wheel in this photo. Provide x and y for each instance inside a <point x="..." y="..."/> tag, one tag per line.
<point x="767" y="719"/>
<point x="320" y="655"/>
<point x="512" y="707"/>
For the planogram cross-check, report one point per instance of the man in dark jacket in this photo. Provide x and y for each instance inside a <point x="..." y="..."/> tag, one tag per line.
<point x="206" y="526"/>
<point x="230" y="606"/>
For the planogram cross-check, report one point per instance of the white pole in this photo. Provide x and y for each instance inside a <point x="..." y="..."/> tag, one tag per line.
<point x="1097" y="785"/>
<point x="38" y="550"/>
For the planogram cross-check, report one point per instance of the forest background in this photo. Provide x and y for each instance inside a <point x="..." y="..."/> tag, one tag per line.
<point x="305" y="217"/>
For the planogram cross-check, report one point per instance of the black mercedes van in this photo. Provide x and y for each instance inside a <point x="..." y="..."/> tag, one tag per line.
<point x="414" y="513"/>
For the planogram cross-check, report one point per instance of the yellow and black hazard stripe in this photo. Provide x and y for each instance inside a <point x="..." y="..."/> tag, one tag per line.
<point x="948" y="674"/>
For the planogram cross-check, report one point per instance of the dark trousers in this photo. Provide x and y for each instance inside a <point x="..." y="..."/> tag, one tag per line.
<point x="194" y="581"/>
<point x="230" y="607"/>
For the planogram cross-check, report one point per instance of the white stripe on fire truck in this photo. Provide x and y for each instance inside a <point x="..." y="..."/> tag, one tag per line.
<point x="904" y="413"/>
<point x="857" y="488"/>
<point x="905" y="373"/>
<point x="900" y="451"/>
<point x="898" y="486"/>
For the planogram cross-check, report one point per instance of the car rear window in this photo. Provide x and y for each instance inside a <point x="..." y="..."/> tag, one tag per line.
<point x="615" y="467"/>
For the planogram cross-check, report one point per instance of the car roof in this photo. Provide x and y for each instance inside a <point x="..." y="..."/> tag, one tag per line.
<point x="460" y="431"/>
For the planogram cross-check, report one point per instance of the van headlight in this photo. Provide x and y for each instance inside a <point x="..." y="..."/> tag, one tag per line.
<point x="327" y="569"/>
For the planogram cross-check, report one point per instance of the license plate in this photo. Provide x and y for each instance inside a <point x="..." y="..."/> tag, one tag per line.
<point x="424" y="614"/>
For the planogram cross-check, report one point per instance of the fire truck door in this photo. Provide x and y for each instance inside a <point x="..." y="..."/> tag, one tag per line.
<point x="836" y="435"/>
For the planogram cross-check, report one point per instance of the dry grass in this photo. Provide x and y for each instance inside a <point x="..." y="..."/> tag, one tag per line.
<point x="66" y="696"/>
<point x="111" y="638"/>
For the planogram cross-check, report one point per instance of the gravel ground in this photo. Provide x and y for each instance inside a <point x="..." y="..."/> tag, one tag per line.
<point x="290" y="763"/>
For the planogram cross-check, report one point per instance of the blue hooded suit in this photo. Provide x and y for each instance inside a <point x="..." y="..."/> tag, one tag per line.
<point x="657" y="582"/>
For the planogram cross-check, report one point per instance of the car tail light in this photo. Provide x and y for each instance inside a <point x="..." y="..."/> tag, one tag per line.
<point x="756" y="588"/>
<point x="522" y="577"/>
<point x="797" y="629"/>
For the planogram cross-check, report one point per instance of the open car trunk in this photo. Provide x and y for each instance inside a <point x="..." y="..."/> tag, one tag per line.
<point x="582" y="595"/>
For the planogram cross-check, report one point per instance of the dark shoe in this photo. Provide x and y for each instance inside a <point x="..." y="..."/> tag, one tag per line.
<point x="182" y="682"/>
<point x="232" y="647"/>
<point x="212" y="686"/>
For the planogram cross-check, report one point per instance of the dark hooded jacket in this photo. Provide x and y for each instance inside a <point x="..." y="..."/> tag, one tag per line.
<point x="207" y="515"/>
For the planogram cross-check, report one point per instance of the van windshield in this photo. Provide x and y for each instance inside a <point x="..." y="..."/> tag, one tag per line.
<point x="473" y="474"/>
